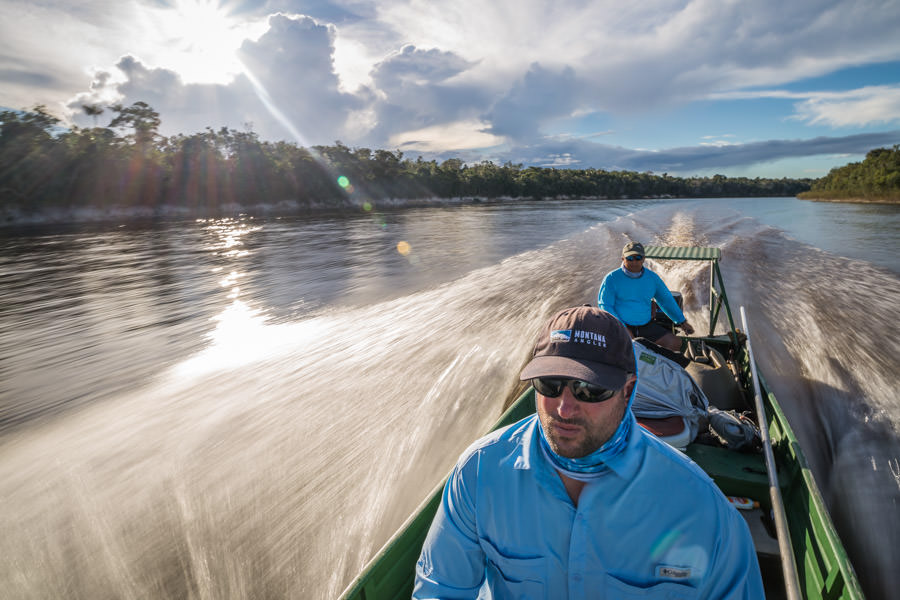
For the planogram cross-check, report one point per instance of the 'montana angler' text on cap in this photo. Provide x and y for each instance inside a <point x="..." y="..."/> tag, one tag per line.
<point x="583" y="343"/>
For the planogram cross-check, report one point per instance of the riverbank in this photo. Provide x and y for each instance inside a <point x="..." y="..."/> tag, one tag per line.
<point x="11" y="216"/>
<point x="853" y="200"/>
<point x="887" y="195"/>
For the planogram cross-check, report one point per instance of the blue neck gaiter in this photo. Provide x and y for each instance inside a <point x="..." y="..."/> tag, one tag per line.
<point x="633" y="275"/>
<point x="593" y="465"/>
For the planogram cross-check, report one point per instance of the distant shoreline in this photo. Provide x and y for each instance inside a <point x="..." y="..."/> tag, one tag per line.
<point x="855" y="200"/>
<point x="13" y="217"/>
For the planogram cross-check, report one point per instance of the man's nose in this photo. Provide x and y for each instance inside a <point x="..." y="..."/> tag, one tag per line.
<point x="568" y="405"/>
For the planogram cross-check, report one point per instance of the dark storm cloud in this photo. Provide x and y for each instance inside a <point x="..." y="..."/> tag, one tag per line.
<point x="413" y="66"/>
<point x="580" y="154"/>
<point x="416" y="92"/>
<point x="30" y="78"/>
<point x="542" y="94"/>
<point x="182" y="108"/>
<point x="294" y="48"/>
<point x="293" y="65"/>
<point x="707" y="157"/>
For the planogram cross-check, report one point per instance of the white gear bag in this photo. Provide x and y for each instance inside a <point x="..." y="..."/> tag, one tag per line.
<point x="665" y="390"/>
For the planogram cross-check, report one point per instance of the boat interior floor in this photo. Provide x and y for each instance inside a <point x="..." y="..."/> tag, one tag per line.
<point x="743" y="474"/>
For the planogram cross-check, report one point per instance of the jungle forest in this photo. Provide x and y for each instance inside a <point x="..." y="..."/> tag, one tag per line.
<point x="876" y="179"/>
<point x="128" y="163"/>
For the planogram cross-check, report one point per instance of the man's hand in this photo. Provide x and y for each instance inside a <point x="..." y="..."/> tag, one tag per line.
<point x="686" y="327"/>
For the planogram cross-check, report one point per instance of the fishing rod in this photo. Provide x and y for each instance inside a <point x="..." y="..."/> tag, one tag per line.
<point x="788" y="566"/>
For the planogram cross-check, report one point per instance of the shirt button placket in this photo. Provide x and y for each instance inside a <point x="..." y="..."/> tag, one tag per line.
<point x="577" y="556"/>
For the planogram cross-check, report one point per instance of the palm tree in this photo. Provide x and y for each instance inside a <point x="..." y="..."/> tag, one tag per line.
<point x="92" y="110"/>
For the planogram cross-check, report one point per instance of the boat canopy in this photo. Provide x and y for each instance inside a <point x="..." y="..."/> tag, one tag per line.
<point x="682" y="253"/>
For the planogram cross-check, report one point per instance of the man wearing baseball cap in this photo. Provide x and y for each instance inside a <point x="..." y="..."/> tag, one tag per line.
<point x="577" y="501"/>
<point x="626" y="292"/>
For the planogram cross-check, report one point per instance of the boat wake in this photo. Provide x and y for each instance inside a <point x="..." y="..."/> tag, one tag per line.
<point x="827" y="344"/>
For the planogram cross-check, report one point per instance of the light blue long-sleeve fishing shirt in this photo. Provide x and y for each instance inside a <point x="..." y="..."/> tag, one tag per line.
<point x="628" y="299"/>
<point x="653" y="526"/>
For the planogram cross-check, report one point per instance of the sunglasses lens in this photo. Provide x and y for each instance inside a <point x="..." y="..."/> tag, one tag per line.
<point x="546" y="386"/>
<point x="587" y="392"/>
<point x="634" y="257"/>
<point x="583" y="391"/>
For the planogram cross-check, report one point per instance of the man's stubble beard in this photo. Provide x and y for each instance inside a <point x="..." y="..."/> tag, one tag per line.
<point x="595" y="435"/>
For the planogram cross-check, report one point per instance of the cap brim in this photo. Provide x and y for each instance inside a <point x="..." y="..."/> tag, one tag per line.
<point x="600" y="374"/>
<point x="632" y="253"/>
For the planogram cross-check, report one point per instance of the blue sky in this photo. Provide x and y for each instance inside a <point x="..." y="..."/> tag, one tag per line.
<point x="690" y="87"/>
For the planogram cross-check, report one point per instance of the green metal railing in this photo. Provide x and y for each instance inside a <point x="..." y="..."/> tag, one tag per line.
<point x="717" y="297"/>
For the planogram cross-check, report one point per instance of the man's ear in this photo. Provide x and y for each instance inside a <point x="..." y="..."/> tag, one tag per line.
<point x="629" y="384"/>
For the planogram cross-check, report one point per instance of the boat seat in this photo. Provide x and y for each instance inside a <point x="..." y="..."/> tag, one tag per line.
<point x="672" y="430"/>
<point x="736" y="473"/>
<point x="710" y="370"/>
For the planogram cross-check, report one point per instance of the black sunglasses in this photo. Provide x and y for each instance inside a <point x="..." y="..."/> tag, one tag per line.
<point x="634" y="257"/>
<point x="552" y="387"/>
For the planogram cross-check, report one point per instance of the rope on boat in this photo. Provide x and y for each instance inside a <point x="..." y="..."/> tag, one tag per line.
<point x="788" y="566"/>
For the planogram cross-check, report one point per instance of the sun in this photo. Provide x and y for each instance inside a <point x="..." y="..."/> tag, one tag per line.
<point x="198" y="39"/>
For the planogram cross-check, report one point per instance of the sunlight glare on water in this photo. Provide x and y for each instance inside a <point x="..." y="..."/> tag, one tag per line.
<point x="241" y="337"/>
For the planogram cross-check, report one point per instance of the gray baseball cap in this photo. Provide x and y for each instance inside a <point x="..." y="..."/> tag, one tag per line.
<point x="633" y="248"/>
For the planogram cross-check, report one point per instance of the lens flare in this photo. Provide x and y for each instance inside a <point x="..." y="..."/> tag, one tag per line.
<point x="343" y="181"/>
<point x="403" y="248"/>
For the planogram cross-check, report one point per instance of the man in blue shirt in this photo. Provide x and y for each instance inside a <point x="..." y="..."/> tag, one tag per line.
<point x="577" y="501"/>
<point x="626" y="292"/>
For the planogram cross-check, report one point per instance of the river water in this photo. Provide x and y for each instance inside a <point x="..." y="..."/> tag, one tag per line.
<point x="248" y="408"/>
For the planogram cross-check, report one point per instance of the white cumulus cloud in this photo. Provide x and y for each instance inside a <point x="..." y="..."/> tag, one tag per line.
<point x="872" y="105"/>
